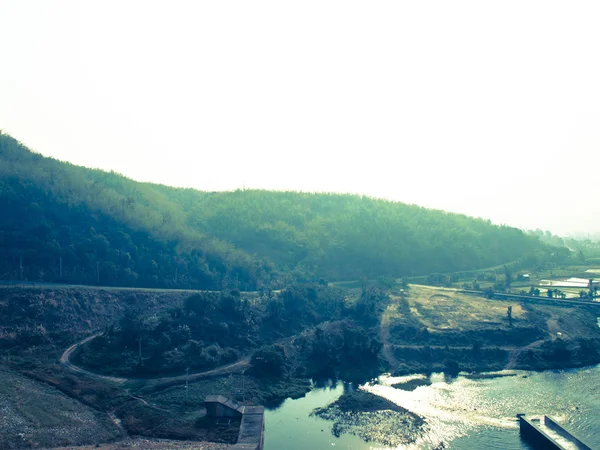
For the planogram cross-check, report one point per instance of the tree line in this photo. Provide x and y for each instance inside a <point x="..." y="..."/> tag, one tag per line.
<point x="70" y="224"/>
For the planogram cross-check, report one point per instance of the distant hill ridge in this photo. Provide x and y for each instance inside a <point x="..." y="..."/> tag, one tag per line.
<point x="72" y="224"/>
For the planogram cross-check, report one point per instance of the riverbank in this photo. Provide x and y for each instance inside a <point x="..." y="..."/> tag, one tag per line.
<point x="439" y="330"/>
<point x="421" y="330"/>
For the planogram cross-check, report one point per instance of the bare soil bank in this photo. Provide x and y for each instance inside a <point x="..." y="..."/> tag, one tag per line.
<point x="35" y="415"/>
<point x="432" y="329"/>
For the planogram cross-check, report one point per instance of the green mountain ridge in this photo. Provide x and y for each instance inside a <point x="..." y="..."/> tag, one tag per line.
<point x="110" y="230"/>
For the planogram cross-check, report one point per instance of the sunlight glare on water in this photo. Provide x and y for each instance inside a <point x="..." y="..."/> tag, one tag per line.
<point x="462" y="413"/>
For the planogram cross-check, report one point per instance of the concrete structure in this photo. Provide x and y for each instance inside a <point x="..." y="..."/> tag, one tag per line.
<point x="252" y="428"/>
<point x="548" y="434"/>
<point x="220" y="406"/>
<point x="553" y="425"/>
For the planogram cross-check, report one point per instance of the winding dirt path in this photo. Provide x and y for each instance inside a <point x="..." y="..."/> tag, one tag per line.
<point x="238" y="366"/>
<point x="65" y="361"/>
<point x="514" y="355"/>
<point x="384" y="335"/>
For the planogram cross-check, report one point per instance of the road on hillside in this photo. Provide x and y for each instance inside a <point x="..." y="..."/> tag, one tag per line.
<point x="523" y="297"/>
<point x="48" y="285"/>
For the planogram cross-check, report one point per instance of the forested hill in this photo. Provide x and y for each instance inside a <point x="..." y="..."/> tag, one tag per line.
<point x="109" y="230"/>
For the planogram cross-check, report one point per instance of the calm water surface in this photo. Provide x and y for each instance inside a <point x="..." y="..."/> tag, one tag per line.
<point x="462" y="413"/>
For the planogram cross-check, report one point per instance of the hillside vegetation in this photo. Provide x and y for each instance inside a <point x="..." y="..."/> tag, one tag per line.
<point x="109" y="230"/>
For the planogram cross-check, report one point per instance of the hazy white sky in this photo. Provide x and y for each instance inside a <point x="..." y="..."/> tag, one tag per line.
<point x="486" y="108"/>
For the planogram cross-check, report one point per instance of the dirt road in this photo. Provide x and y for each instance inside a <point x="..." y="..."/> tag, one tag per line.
<point x="65" y="360"/>
<point x="237" y="366"/>
<point x="384" y="336"/>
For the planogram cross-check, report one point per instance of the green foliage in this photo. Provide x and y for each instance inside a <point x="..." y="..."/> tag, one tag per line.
<point x="451" y="367"/>
<point x="210" y="329"/>
<point x="269" y="361"/>
<point x="110" y="230"/>
<point x="206" y="332"/>
<point x="302" y="305"/>
<point x="344" y="349"/>
<point x="362" y="401"/>
<point x="75" y="225"/>
<point x="488" y="292"/>
<point x="368" y="306"/>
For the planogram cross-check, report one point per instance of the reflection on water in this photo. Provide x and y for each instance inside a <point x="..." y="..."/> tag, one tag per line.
<point x="462" y="413"/>
<point x="291" y="427"/>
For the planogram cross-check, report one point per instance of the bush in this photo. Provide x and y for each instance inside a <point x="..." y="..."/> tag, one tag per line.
<point x="269" y="361"/>
<point x="451" y="367"/>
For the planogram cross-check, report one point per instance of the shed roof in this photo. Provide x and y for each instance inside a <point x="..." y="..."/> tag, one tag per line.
<point x="229" y="403"/>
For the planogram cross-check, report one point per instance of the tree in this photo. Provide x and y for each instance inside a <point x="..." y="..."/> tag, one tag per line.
<point x="269" y="361"/>
<point x="507" y="277"/>
<point x="509" y="315"/>
<point x="275" y="311"/>
<point x="363" y="284"/>
<point x="451" y="367"/>
<point x="534" y="291"/>
<point x="488" y="292"/>
<point x="404" y="283"/>
<point x="199" y="304"/>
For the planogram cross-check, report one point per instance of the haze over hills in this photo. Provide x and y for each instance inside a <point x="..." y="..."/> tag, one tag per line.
<point x="109" y="230"/>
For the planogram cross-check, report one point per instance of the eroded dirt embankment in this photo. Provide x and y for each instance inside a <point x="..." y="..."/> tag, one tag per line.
<point x="35" y="415"/>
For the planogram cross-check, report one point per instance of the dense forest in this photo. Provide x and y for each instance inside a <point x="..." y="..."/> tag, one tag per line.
<point x="64" y="223"/>
<point x="583" y="249"/>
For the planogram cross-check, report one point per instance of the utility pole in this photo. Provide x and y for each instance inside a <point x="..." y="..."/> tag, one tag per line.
<point x="187" y="375"/>
<point x="140" y="348"/>
<point x="244" y="386"/>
